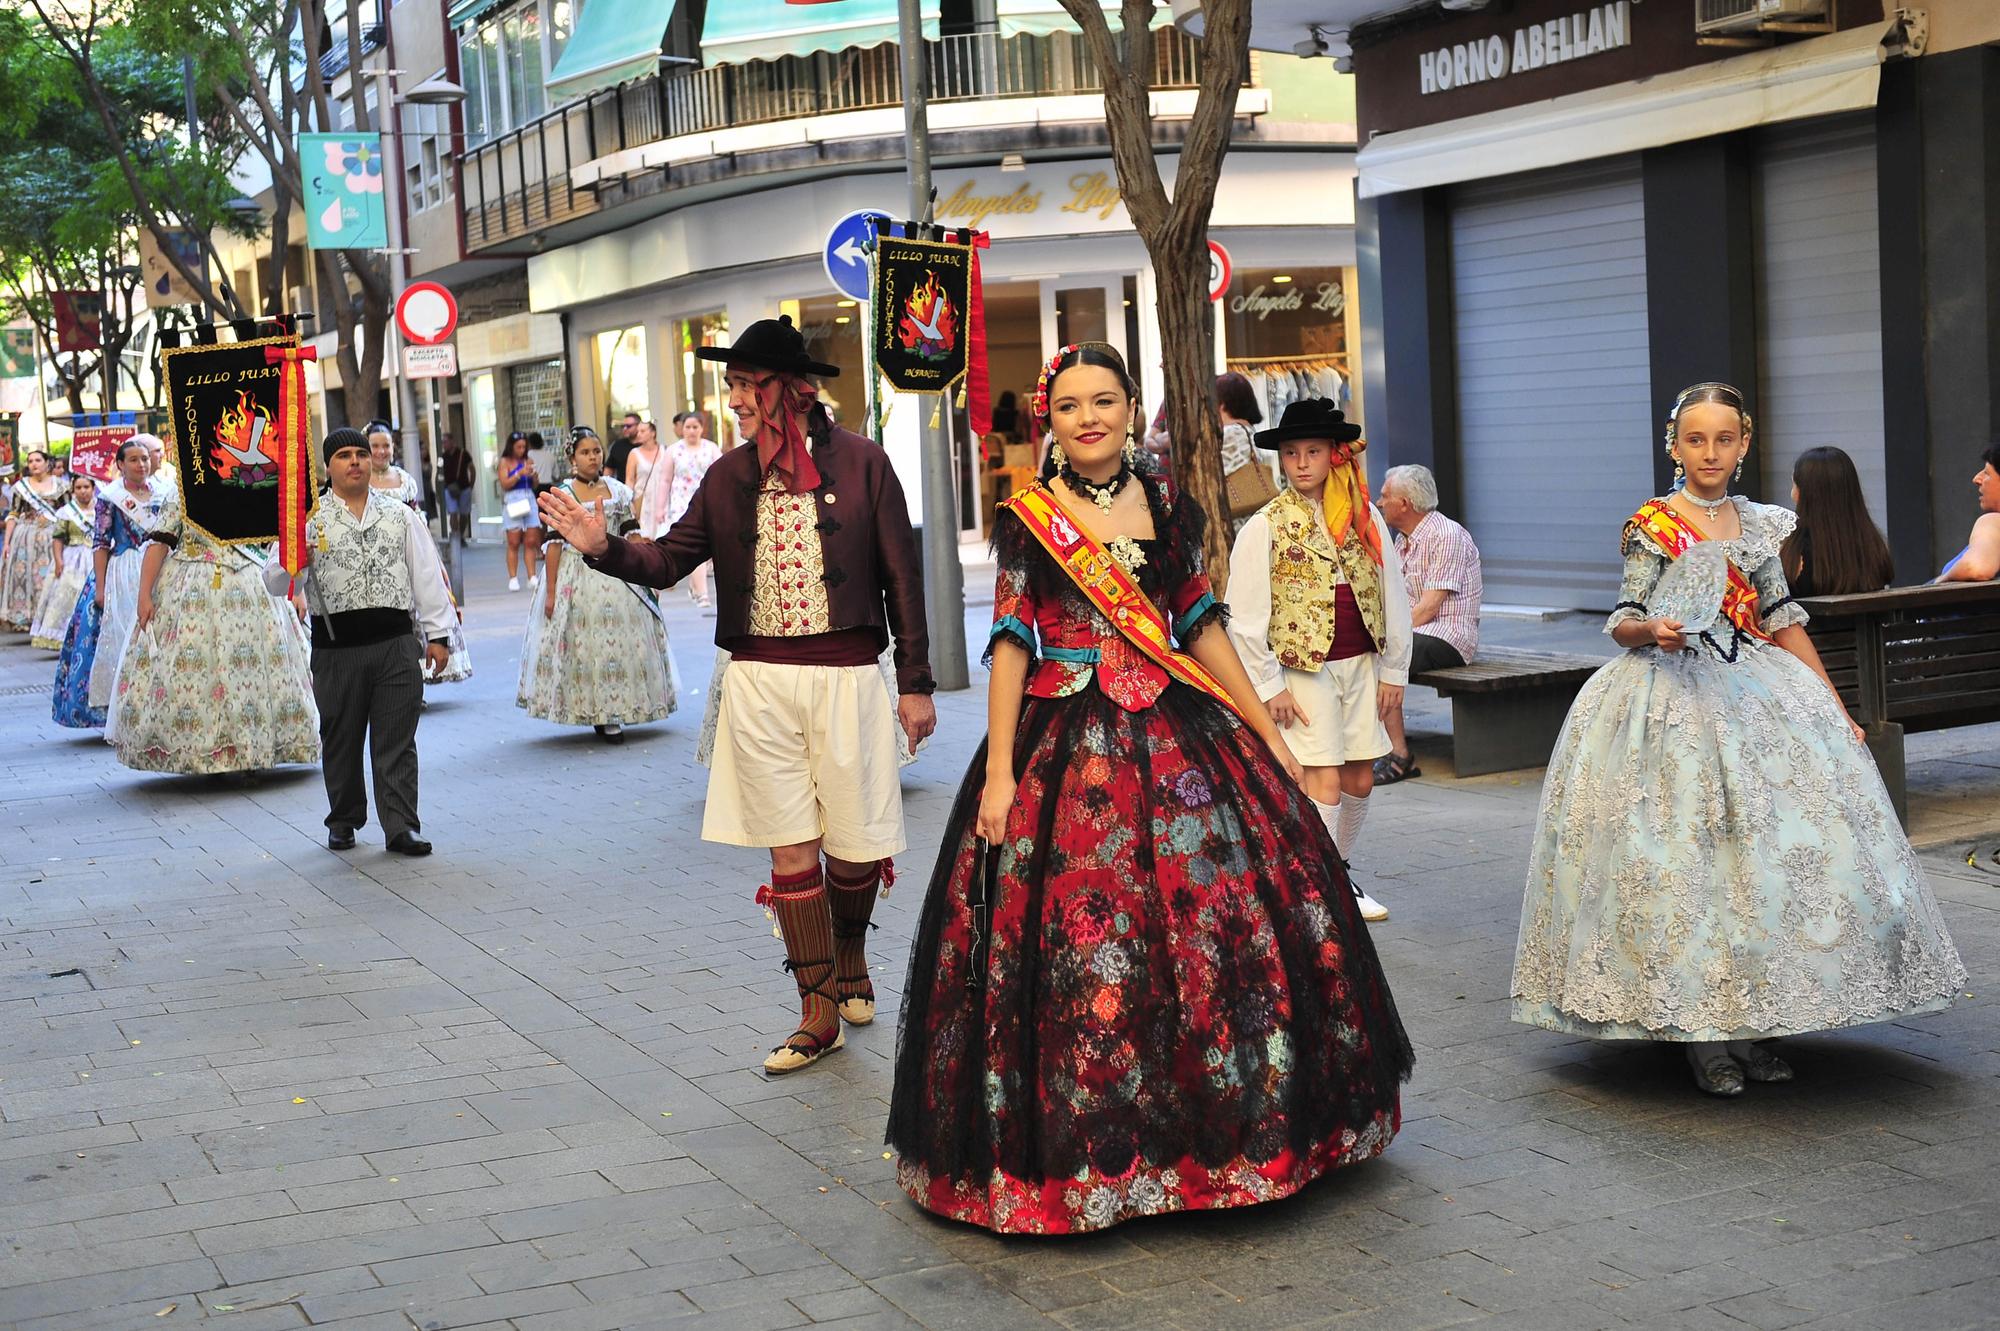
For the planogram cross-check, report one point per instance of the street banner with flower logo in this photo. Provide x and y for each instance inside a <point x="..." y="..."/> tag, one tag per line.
<point x="928" y="318"/>
<point x="240" y="439"/>
<point x="344" y="202"/>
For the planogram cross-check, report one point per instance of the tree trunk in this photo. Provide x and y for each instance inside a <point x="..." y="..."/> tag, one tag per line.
<point x="1176" y="233"/>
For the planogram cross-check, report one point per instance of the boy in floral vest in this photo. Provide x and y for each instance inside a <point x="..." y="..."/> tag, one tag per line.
<point x="1321" y="617"/>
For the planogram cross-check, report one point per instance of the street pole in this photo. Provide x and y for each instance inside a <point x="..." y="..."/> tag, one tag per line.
<point x="399" y="271"/>
<point x="944" y="576"/>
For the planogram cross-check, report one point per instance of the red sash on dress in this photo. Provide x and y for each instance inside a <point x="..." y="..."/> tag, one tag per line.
<point x="1675" y="535"/>
<point x="1105" y="584"/>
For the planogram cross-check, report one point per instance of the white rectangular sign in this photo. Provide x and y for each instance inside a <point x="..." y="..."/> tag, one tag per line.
<point x="436" y="362"/>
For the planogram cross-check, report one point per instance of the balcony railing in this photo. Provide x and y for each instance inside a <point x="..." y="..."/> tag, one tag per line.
<point x="520" y="183"/>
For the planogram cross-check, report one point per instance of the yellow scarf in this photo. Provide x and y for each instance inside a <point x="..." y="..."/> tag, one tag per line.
<point x="1346" y="500"/>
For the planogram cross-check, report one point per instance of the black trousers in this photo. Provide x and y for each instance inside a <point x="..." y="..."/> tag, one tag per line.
<point x="374" y="692"/>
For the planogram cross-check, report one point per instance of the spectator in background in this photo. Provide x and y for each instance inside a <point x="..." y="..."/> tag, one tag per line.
<point x="1979" y="561"/>
<point x="1007" y="415"/>
<point x="456" y="473"/>
<point x="517" y="481"/>
<point x="622" y="446"/>
<point x="1441" y="570"/>
<point x="1836" y="548"/>
<point x="1236" y="404"/>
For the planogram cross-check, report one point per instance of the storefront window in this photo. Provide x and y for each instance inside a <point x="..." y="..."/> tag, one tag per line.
<point x="702" y="386"/>
<point x="623" y="379"/>
<point x="1285" y="329"/>
<point x="539" y="408"/>
<point x="833" y="328"/>
<point x="1081" y="316"/>
<point x="482" y="436"/>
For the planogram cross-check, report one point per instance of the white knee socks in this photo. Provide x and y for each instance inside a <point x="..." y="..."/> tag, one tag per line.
<point x="1343" y="821"/>
<point x="1353" y="812"/>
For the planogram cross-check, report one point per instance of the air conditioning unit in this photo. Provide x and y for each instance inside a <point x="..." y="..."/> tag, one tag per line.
<point x="1732" y="16"/>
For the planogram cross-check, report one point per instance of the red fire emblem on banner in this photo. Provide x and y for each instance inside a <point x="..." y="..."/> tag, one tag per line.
<point x="241" y="452"/>
<point x="929" y="326"/>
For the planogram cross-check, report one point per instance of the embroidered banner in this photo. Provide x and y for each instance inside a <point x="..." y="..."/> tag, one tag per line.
<point x="923" y="292"/>
<point x="93" y="448"/>
<point x="230" y="436"/>
<point x="1106" y="585"/>
<point x="79" y="319"/>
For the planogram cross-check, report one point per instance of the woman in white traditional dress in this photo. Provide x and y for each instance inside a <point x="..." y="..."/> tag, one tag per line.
<point x="69" y="564"/>
<point x="392" y="480"/>
<point x="127" y="512"/>
<point x="1717" y="862"/>
<point x="688" y="459"/>
<point x="30" y="530"/>
<point x="595" y="653"/>
<point x="217" y="676"/>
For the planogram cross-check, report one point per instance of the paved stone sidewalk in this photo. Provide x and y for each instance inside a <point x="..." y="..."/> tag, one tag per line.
<point x="244" y="1080"/>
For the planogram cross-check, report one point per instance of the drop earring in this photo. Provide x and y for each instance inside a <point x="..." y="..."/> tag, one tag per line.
<point x="1739" y="469"/>
<point x="1131" y="446"/>
<point x="1680" y="473"/>
<point x="1056" y="455"/>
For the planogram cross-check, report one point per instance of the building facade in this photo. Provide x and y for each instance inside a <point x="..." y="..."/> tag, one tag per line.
<point x="1570" y="211"/>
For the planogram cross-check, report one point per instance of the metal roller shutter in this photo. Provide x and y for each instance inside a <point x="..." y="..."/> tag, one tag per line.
<point x="1819" y="301"/>
<point x="1555" y="438"/>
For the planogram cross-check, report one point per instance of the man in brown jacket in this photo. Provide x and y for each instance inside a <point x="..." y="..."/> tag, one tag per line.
<point x="815" y="567"/>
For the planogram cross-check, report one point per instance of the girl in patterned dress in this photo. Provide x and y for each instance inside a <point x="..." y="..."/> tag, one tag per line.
<point x="1717" y="862"/>
<point x="127" y="511"/>
<point x="594" y="654"/>
<point x="1140" y="982"/>
<point x="216" y="677"/>
<point x="69" y="564"/>
<point x="392" y="480"/>
<point x="30" y="530"/>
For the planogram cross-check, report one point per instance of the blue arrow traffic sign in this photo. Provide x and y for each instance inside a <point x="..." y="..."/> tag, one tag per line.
<point x="846" y="260"/>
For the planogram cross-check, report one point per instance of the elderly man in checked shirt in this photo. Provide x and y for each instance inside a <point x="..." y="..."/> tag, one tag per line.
<point x="1441" y="568"/>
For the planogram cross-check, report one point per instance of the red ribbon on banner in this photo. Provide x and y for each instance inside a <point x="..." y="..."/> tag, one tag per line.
<point x="978" y="379"/>
<point x="296" y="498"/>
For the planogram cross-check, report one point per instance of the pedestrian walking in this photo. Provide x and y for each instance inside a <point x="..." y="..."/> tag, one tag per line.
<point x="127" y="512"/>
<point x="596" y="651"/>
<point x="28" y="540"/>
<point x="818" y="565"/>
<point x="214" y="677"/>
<point x="457" y="473"/>
<point x="516" y="480"/>
<point x="369" y="562"/>
<point x="386" y="478"/>
<point x="1321" y="616"/>
<point x="1140" y="982"/>
<point x="69" y="564"/>
<point x="688" y="459"/>
<point x="1716" y="862"/>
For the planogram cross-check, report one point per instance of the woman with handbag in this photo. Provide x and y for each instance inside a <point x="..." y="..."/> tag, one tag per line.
<point x="516" y="478"/>
<point x="1247" y="484"/>
<point x="1140" y="982"/>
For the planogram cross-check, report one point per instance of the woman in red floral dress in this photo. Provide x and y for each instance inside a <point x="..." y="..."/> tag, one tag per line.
<point x="1163" y="997"/>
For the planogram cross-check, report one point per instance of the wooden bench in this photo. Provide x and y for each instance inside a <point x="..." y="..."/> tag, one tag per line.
<point x="1508" y="706"/>
<point x="1911" y="659"/>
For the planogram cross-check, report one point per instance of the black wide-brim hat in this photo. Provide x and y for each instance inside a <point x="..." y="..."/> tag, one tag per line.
<point x="1311" y="418"/>
<point x="770" y="344"/>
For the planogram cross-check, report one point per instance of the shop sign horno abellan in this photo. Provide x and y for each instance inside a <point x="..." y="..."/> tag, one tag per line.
<point x="1537" y="46"/>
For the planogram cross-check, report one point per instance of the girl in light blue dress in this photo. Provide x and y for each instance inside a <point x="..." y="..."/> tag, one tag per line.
<point x="1717" y="861"/>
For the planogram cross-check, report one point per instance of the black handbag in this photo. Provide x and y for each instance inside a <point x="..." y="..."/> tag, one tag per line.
<point x="980" y="895"/>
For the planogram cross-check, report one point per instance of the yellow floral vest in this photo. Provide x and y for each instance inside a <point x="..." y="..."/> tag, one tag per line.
<point x="1303" y="560"/>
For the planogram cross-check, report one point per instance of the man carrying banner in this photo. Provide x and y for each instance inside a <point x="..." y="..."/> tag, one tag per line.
<point x="369" y="560"/>
<point x="816" y="565"/>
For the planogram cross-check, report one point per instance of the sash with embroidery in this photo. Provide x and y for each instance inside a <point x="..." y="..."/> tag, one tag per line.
<point x="1105" y="584"/>
<point x="41" y="506"/>
<point x="1675" y="535"/>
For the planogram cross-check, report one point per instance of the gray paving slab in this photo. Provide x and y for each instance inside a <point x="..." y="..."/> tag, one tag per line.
<point x="515" y="1085"/>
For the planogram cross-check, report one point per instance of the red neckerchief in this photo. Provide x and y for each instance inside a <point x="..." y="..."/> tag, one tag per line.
<point x="787" y="402"/>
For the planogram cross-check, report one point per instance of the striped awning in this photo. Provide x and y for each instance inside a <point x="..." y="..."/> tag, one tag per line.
<point x="741" y="31"/>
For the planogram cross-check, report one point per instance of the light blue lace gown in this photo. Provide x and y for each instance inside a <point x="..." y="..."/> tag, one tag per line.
<point x="1716" y="856"/>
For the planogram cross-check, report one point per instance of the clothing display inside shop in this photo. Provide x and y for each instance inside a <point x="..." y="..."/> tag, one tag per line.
<point x="1279" y="381"/>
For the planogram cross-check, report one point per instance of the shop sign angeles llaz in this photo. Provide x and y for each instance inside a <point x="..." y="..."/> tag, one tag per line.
<point x="923" y="291"/>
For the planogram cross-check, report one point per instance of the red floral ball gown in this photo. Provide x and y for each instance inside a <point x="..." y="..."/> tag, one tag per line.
<point x="1179" y="1007"/>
